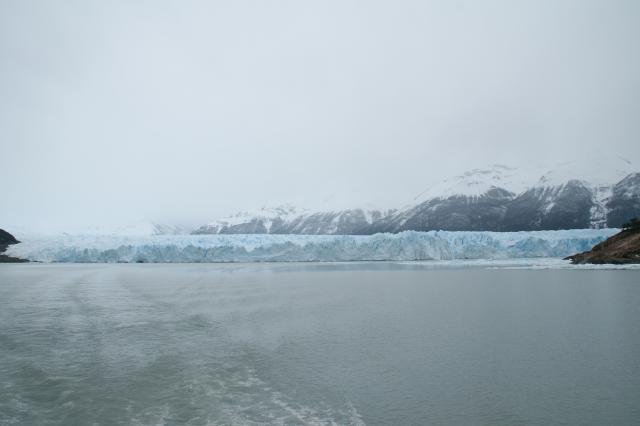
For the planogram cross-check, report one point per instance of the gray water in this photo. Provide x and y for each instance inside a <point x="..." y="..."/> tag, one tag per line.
<point x="376" y="343"/>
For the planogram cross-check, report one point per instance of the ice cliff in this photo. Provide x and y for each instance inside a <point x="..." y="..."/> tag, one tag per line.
<point x="409" y="245"/>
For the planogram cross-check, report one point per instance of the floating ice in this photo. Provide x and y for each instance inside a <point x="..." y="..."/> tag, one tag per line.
<point x="410" y="245"/>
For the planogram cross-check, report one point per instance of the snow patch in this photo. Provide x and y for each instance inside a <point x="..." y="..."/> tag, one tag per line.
<point x="600" y="170"/>
<point x="477" y="182"/>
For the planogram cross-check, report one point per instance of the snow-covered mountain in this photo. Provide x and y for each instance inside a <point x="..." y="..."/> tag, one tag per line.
<point x="477" y="182"/>
<point x="289" y="220"/>
<point x="603" y="192"/>
<point x="570" y="195"/>
<point x="252" y="222"/>
<point x="624" y="201"/>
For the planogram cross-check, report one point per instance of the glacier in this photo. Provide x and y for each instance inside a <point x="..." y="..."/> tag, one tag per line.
<point x="404" y="246"/>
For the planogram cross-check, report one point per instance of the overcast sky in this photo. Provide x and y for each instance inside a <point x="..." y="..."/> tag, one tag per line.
<point x="112" y="112"/>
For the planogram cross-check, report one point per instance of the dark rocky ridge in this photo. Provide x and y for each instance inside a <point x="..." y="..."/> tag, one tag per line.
<point x="622" y="248"/>
<point x="625" y="201"/>
<point x="531" y="211"/>
<point x="6" y="239"/>
<point x="456" y="213"/>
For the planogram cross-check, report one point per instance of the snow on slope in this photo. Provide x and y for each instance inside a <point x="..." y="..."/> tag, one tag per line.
<point x="293" y="220"/>
<point x="599" y="175"/>
<point x="286" y="212"/>
<point x="601" y="170"/>
<point x="476" y="182"/>
<point x="410" y="245"/>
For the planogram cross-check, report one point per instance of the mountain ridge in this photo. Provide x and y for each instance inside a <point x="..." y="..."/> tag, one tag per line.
<point x="491" y="199"/>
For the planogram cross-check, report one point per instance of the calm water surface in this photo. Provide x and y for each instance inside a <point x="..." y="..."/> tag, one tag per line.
<point x="374" y="344"/>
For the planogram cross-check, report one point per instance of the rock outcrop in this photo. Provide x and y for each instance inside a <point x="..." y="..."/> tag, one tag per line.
<point x="622" y="248"/>
<point x="6" y="239"/>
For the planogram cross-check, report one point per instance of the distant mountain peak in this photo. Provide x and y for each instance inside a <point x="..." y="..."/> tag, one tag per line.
<point x="600" y="169"/>
<point x="475" y="183"/>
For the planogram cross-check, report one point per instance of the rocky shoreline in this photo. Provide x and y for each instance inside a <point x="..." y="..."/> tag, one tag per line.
<point x="6" y="239"/>
<point x="622" y="248"/>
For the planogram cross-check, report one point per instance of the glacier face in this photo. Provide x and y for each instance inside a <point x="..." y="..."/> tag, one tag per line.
<point x="409" y="245"/>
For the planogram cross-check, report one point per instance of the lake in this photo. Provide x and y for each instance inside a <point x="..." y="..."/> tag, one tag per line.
<point x="376" y="343"/>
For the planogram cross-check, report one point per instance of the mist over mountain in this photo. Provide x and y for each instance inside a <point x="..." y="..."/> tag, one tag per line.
<point x="498" y="198"/>
<point x="187" y="113"/>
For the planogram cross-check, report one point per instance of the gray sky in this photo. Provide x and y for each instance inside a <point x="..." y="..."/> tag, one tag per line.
<point x="184" y="111"/>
